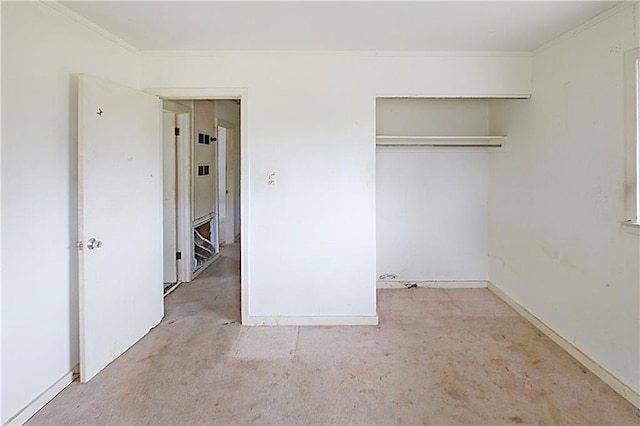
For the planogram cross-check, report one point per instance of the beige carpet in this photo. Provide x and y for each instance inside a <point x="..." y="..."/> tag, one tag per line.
<point x="438" y="357"/>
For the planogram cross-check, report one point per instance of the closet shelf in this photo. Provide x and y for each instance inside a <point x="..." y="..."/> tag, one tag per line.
<point x="440" y="141"/>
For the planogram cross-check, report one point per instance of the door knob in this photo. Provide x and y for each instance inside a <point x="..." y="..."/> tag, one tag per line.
<point x="93" y="244"/>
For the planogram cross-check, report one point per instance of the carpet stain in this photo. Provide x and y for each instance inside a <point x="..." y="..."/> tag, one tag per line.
<point x="161" y="352"/>
<point x="449" y="384"/>
<point x="370" y="391"/>
<point x="528" y="346"/>
<point x="454" y="392"/>
<point x="500" y="362"/>
<point x="516" y="419"/>
<point x="498" y="337"/>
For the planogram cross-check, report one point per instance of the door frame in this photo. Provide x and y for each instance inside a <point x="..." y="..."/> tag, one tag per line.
<point x="241" y="94"/>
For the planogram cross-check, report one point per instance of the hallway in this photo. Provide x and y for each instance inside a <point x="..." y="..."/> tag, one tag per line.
<point x="437" y="357"/>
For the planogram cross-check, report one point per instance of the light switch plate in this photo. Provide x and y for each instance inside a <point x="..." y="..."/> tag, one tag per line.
<point x="271" y="178"/>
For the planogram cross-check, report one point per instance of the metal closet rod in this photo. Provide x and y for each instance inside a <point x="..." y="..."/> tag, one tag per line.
<point x="439" y="145"/>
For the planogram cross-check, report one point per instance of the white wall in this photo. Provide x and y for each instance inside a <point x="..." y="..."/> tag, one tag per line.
<point x="557" y="198"/>
<point x="311" y="119"/>
<point x="432" y="203"/>
<point x="42" y="51"/>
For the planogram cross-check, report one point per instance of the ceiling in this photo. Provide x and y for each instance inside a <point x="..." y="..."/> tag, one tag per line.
<point x="338" y="26"/>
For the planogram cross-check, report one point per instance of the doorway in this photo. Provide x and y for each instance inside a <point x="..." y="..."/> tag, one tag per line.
<point x="239" y="96"/>
<point x="201" y="180"/>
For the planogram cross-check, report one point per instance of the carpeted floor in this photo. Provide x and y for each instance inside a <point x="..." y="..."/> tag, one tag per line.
<point x="438" y="357"/>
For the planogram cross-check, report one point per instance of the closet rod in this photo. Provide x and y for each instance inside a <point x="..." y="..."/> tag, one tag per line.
<point x="439" y="145"/>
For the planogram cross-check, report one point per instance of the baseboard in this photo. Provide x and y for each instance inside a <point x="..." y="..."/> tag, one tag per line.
<point x="624" y="390"/>
<point x="41" y="400"/>
<point x="430" y="284"/>
<point x="312" y="320"/>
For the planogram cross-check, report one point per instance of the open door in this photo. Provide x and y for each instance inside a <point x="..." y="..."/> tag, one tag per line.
<point x="169" y="202"/>
<point x="222" y="184"/>
<point x="120" y="220"/>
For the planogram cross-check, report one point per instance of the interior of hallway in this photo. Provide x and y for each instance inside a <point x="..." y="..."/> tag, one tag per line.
<point x="437" y="357"/>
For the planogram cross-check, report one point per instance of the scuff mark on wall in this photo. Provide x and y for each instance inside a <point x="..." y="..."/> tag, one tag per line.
<point x="387" y="277"/>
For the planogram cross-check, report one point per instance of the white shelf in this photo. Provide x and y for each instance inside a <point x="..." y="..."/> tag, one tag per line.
<point x="435" y="141"/>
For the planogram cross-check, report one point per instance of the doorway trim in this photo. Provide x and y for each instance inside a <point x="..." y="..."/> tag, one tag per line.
<point x="228" y="93"/>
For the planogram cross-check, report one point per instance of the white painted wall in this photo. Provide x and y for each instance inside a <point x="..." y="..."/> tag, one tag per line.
<point x="204" y="187"/>
<point x="407" y="117"/>
<point x="311" y="119"/>
<point x="42" y="51"/>
<point x="432" y="203"/>
<point x="557" y="198"/>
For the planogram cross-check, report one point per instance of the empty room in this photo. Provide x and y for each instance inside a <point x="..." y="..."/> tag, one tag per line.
<point x="320" y="212"/>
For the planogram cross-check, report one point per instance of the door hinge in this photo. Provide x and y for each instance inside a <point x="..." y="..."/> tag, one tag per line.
<point x="79" y="245"/>
<point x="177" y="131"/>
<point x="178" y="255"/>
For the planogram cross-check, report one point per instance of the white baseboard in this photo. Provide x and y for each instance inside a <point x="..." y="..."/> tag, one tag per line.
<point x="430" y="284"/>
<point x="312" y="320"/>
<point x="41" y="400"/>
<point x="624" y="390"/>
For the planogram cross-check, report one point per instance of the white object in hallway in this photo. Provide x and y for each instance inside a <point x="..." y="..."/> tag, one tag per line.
<point x="222" y="183"/>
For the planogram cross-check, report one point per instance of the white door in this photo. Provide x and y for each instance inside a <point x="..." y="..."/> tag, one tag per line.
<point x="222" y="184"/>
<point x="170" y="242"/>
<point x="120" y="220"/>
<point x="229" y="186"/>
